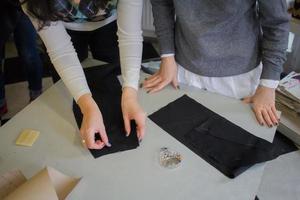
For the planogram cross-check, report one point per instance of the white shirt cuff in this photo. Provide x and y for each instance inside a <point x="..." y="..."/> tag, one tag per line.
<point x="167" y="55"/>
<point x="269" y="83"/>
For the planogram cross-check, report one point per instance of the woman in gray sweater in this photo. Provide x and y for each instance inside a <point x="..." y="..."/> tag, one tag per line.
<point x="235" y="48"/>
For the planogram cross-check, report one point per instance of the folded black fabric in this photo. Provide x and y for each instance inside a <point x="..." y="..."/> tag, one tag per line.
<point x="107" y="91"/>
<point x="224" y="145"/>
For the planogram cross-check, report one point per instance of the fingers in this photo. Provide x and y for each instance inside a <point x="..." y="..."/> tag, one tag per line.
<point x="166" y="75"/>
<point x="100" y="143"/>
<point x="175" y="83"/>
<point x="89" y="137"/>
<point x="140" y="128"/>
<point x="104" y="137"/>
<point x="274" y="110"/>
<point x="140" y="125"/>
<point x="152" y="84"/>
<point x="149" y="83"/>
<point x="158" y="87"/>
<point x="127" y="125"/>
<point x="132" y="111"/>
<point x="151" y="78"/>
<point x="266" y="117"/>
<point x="259" y="117"/>
<point x="156" y="81"/>
<point x="273" y="116"/>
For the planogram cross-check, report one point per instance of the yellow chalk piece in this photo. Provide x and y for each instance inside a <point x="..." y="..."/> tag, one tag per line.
<point x="27" y="137"/>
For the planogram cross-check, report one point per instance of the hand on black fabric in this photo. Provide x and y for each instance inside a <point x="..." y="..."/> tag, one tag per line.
<point x="132" y="111"/>
<point x="167" y="74"/>
<point x="263" y="105"/>
<point x="92" y="123"/>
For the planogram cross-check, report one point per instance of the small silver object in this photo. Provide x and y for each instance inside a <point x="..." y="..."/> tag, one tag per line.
<point x="169" y="159"/>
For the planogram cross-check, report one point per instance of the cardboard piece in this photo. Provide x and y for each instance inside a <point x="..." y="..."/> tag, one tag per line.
<point x="48" y="184"/>
<point x="10" y="181"/>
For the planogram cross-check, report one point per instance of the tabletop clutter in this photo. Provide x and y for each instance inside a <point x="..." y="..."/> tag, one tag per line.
<point x="288" y="93"/>
<point x="227" y="147"/>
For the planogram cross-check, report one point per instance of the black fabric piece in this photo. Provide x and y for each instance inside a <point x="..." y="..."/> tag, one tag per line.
<point x="107" y="92"/>
<point x="282" y="145"/>
<point x="226" y="146"/>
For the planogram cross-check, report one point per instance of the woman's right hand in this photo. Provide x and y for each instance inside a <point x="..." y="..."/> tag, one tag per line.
<point x="92" y="123"/>
<point x="167" y="74"/>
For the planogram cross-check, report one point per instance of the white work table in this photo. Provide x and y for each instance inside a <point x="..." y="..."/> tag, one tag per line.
<point x="134" y="174"/>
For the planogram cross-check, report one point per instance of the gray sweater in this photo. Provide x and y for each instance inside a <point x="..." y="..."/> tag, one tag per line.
<point x="218" y="38"/>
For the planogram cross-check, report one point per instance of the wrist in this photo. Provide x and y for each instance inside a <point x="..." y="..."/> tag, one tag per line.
<point x="86" y="103"/>
<point x="269" y="83"/>
<point x="265" y="88"/>
<point x="167" y="55"/>
<point x="169" y="59"/>
<point x="129" y="93"/>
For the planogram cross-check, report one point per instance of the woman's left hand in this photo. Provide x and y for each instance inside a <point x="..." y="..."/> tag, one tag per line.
<point x="132" y="111"/>
<point x="263" y="105"/>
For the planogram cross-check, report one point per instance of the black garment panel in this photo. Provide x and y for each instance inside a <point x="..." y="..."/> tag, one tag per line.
<point x="107" y="91"/>
<point x="226" y="146"/>
<point x="282" y="145"/>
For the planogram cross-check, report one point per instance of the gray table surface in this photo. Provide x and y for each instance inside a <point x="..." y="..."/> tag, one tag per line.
<point x="281" y="179"/>
<point x="134" y="174"/>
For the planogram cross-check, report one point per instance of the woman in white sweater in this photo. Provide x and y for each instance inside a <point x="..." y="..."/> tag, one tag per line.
<point x="52" y="18"/>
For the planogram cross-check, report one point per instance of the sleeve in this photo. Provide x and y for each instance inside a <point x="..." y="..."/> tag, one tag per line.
<point x="164" y="22"/>
<point x="63" y="56"/>
<point x="167" y="55"/>
<point x="274" y="21"/>
<point x="130" y="40"/>
<point x="269" y="83"/>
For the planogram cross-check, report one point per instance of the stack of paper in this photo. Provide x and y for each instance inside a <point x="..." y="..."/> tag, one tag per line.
<point x="288" y="92"/>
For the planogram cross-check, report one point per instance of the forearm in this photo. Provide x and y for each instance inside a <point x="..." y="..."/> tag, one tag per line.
<point x="86" y="103"/>
<point x="274" y="21"/>
<point x="130" y="40"/>
<point x="164" y="22"/>
<point x="67" y="65"/>
<point x="63" y="56"/>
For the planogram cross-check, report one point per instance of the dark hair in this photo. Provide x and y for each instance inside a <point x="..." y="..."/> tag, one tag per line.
<point x="12" y="2"/>
<point x="44" y="10"/>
